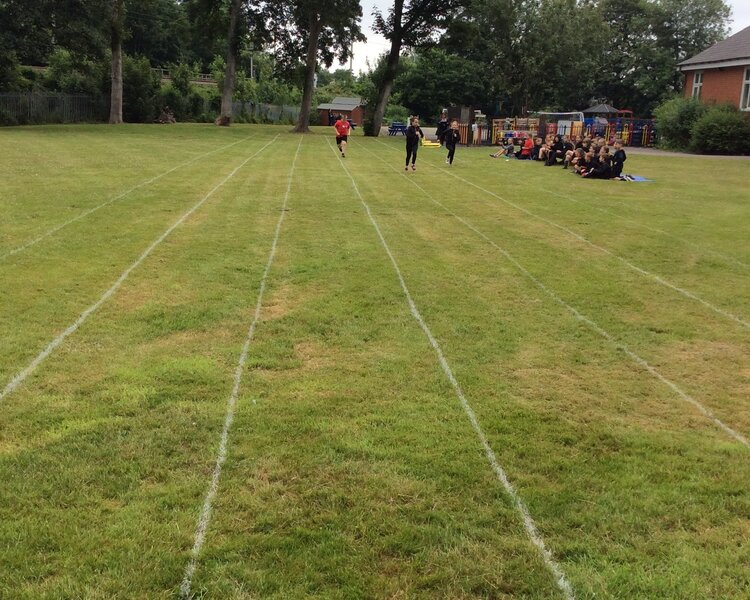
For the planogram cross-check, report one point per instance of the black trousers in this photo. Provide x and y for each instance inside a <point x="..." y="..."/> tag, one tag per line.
<point x="411" y="153"/>
<point x="451" y="152"/>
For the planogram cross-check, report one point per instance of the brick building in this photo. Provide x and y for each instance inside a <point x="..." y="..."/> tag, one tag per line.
<point x="721" y="73"/>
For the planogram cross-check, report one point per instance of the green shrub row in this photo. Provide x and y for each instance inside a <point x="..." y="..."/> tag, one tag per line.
<point x="688" y="124"/>
<point x="144" y="95"/>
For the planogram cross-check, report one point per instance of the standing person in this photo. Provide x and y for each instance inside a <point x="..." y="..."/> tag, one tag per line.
<point x="618" y="160"/>
<point x="413" y="135"/>
<point x="342" y="134"/>
<point x="452" y="137"/>
<point x="442" y="127"/>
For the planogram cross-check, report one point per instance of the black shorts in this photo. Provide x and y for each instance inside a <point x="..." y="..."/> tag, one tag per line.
<point x="342" y="138"/>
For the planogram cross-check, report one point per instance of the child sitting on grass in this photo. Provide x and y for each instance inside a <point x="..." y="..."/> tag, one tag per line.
<point x="507" y="149"/>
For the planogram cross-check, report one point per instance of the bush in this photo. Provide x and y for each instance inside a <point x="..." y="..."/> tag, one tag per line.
<point x="8" y="68"/>
<point x="140" y="88"/>
<point x="72" y="74"/>
<point x="721" y="130"/>
<point x="675" y="119"/>
<point x="395" y="112"/>
<point x="170" y="97"/>
<point x="182" y="76"/>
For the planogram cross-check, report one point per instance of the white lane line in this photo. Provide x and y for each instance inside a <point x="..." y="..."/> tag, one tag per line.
<point x="725" y="257"/>
<point x="21" y="376"/>
<point x="528" y="522"/>
<point x="86" y="213"/>
<point x="636" y="268"/>
<point x="205" y="515"/>
<point x="583" y="318"/>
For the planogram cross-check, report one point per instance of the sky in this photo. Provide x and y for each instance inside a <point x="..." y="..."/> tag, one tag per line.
<point x="377" y="44"/>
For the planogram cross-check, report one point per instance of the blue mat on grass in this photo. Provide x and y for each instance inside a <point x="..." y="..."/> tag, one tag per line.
<point x="635" y="178"/>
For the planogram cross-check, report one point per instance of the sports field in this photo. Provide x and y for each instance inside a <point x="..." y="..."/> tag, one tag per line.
<point x="234" y="365"/>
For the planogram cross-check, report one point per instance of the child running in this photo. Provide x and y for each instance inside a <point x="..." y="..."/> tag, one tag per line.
<point x="413" y="135"/>
<point x="342" y="134"/>
<point x="452" y="137"/>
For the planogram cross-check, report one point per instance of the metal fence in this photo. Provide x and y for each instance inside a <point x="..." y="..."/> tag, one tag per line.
<point x="270" y="113"/>
<point x="39" y="108"/>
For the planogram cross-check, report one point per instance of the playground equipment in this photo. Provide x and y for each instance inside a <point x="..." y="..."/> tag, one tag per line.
<point x="503" y="129"/>
<point x="633" y="132"/>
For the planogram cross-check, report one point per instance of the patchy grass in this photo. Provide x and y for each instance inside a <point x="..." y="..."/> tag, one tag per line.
<point x="352" y="470"/>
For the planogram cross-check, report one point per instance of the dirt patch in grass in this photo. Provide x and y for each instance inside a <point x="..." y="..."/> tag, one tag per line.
<point x="278" y="303"/>
<point x="312" y="354"/>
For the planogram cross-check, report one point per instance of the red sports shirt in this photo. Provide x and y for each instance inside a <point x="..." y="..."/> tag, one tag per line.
<point x="342" y="127"/>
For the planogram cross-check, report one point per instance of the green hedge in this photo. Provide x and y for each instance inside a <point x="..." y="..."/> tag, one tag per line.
<point x="675" y="120"/>
<point x="721" y="130"/>
<point x="688" y="124"/>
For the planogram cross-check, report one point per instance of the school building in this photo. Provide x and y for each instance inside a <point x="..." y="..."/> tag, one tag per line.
<point x="721" y="74"/>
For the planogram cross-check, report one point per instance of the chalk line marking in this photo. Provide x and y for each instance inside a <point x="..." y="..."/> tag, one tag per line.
<point x="205" y="515"/>
<point x="660" y="280"/>
<point x="86" y="213"/>
<point x="584" y="319"/>
<point x="528" y="522"/>
<point x="21" y="376"/>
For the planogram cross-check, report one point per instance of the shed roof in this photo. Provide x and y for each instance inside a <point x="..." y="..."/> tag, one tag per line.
<point x="602" y="109"/>
<point x="341" y="103"/>
<point x="735" y="47"/>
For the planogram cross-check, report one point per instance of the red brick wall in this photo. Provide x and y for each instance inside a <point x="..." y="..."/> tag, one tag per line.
<point x="719" y="85"/>
<point x="356" y="115"/>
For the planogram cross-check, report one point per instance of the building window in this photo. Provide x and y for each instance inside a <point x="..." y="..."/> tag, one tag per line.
<point x="745" y="100"/>
<point x="697" y="84"/>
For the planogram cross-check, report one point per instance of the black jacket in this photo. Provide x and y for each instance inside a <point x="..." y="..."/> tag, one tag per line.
<point x="618" y="161"/>
<point x="442" y="128"/>
<point x="452" y="137"/>
<point x="413" y="134"/>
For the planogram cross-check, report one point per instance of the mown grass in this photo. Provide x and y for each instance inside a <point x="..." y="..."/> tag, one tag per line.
<point x="353" y="471"/>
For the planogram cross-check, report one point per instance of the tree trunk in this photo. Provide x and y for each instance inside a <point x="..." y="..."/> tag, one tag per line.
<point x="115" y="101"/>
<point x="311" y="62"/>
<point x="227" y="93"/>
<point x="391" y="69"/>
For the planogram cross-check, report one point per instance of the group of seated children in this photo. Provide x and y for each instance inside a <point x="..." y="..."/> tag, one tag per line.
<point x="587" y="157"/>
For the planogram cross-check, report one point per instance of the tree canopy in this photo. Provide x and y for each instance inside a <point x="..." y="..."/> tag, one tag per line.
<point x="504" y="56"/>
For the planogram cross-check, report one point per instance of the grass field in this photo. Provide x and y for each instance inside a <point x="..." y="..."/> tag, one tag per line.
<point x="234" y="365"/>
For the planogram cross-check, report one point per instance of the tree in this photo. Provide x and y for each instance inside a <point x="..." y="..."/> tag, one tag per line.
<point x="322" y="30"/>
<point x="160" y="31"/>
<point x="117" y="32"/>
<point x="437" y="79"/>
<point x="410" y="23"/>
<point x="233" y="50"/>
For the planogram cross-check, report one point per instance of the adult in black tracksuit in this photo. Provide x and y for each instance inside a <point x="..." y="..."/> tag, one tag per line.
<point x="413" y="135"/>
<point x="452" y="137"/>
<point x="442" y="127"/>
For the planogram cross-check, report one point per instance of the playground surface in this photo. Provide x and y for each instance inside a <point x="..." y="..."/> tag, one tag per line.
<point x="236" y="365"/>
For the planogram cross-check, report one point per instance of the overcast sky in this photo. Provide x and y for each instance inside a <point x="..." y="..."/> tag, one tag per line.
<point x="376" y="45"/>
